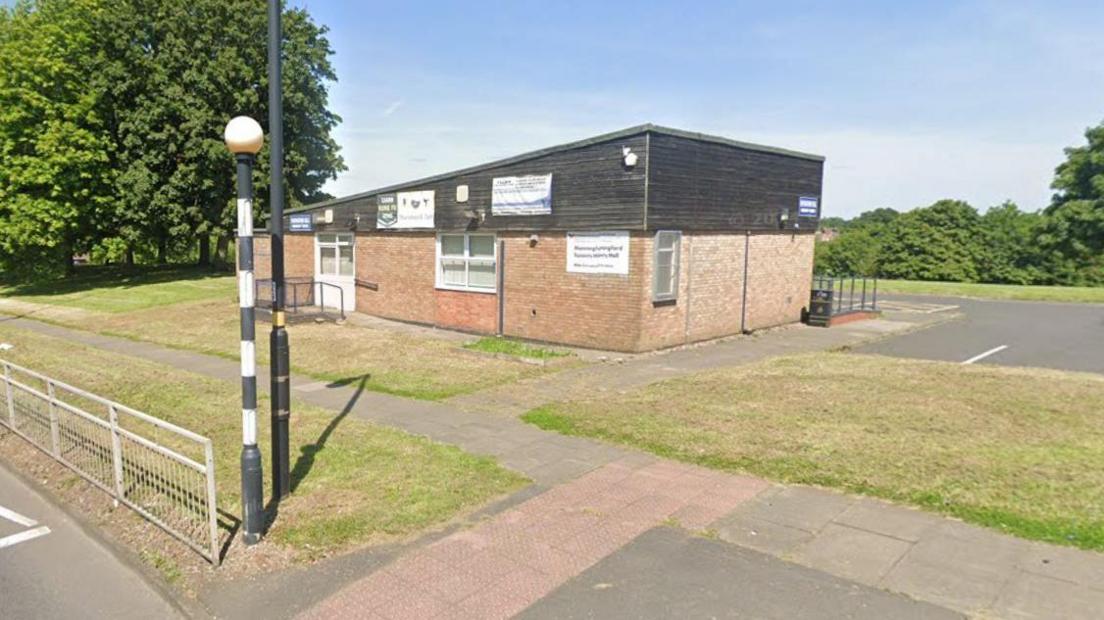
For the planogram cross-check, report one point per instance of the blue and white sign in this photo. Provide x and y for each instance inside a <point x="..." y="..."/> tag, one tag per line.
<point x="300" y="222"/>
<point x="808" y="206"/>
<point x="527" y="195"/>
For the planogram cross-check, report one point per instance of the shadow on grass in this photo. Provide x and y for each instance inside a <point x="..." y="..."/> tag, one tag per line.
<point x="308" y="453"/>
<point x="90" y="277"/>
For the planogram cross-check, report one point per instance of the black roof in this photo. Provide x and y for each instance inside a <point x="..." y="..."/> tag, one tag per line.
<point x="631" y="131"/>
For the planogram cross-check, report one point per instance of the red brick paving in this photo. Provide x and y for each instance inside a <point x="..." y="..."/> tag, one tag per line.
<point x="505" y="564"/>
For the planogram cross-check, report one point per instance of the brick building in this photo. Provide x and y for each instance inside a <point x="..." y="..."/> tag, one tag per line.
<point x="635" y="240"/>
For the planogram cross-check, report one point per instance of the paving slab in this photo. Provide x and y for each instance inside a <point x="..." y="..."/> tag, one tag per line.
<point x="803" y="508"/>
<point x="666" y="573"/>
<point x="889" y="519"/>
<point x="855" y="554"/>
<point x="1027" y="595"/>
<point x="765" y="536"/>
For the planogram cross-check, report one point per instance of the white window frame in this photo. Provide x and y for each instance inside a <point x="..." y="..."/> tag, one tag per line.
<point x="674" y="251"/>
<point x="340" y="240"/>
<point x="468" y="259"/>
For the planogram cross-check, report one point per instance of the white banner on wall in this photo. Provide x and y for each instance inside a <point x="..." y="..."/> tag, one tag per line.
<point x="405" y="210"/>
<point x="528" y="195"/>
<point x="598" y="252"/>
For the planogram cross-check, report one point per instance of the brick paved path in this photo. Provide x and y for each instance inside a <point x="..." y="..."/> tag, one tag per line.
<point x="507" y="563"/>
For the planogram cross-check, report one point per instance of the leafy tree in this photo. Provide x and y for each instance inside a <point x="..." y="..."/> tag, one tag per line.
<point x="1011" y="256"/>
<point x="855" y="252"/>
<point x="55" y="177"/>
<point x="877" y="217"/>
<point x="940" y="242"/>
<point x="1073" y="236"/>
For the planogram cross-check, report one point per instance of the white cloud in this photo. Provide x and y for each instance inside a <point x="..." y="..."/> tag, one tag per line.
<point x="391" y="109"/>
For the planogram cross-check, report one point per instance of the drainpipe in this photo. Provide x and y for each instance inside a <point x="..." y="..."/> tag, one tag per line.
<point x="743" y="301"/>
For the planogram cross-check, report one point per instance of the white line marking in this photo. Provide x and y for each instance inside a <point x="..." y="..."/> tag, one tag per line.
<point x="15" y="539"/>
<point x="12" y="515"/>
<point x="982" y="356"/>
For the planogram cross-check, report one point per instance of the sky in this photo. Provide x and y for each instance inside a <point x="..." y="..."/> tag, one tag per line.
<point x="909" y="101"/>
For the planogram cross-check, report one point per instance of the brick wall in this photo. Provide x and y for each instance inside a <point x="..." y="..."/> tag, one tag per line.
<point x="780" y="274"/>
<point x="402" y="264"/>
<point x="545" y="302"/>
<point x="298" y="256"/>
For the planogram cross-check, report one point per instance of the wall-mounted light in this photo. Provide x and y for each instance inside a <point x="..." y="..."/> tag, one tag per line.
<point x="628" y="157"/>
<point x="533" y="239"/>
<point x="783" y="217"/>
<point x="475" y="215"/>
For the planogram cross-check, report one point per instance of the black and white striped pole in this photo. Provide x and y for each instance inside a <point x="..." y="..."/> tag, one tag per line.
<point x="244" y="138"/>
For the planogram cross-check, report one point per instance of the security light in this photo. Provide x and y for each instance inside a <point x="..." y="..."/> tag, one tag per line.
<point x="628" y="156"/>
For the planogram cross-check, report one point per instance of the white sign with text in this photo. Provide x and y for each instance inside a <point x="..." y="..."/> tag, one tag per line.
<point x="598" y="252"/>
<point x="528" y="195"/>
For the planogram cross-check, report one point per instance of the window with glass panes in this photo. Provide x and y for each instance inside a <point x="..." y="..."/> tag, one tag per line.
<point x="665" y="275"/>
<point x="335" y="254"/>
<point x="466" y="261"/>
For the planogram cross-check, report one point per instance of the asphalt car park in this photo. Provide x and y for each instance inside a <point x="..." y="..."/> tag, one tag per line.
<point x="1063" y="336"/>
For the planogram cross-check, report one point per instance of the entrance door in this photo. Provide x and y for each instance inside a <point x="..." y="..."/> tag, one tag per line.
<point x="334" y="270"/>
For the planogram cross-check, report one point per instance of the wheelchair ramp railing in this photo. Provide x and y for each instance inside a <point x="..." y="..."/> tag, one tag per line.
<point x="162" y="471"/>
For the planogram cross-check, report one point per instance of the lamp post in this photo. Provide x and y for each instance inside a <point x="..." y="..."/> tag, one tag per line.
<point x="280" y="367"/>
<point x="244" y="137"/>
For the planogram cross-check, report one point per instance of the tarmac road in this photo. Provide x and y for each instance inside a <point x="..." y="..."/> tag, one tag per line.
<point x="51" y="568"/>
<point x="1049" y="335"/>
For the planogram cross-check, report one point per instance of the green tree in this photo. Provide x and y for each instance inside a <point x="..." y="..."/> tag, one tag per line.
<point x="1073" y="237"/>
<point x="1012" y="255"/>
<point x="855" y="252"/>
<point x="877" y="217"/>
<point x="941" y="242"/>
<point x="55" y="177"/>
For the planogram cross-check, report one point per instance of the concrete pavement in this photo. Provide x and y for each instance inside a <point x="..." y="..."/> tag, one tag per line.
<point x="65" y="573"/>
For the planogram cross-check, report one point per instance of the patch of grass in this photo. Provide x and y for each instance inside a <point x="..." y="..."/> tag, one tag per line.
<point x="390" y="361"/>
<point x="164" y="565"/>
<point x="1081" y="294"/>
<point x="508" y="346"/>
<point x="353" y="483"/>
<point x="114" y="288"/>
<point x="1015" y="449"/>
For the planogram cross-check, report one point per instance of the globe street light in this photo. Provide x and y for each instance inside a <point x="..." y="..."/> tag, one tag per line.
<point x="244" y="138"/>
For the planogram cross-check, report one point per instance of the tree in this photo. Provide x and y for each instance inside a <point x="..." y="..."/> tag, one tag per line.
<point x="941" y="242"/>
<point x="855" y="252"/>
<point x="55" y="177"/>
<point x="1011" y="256"/>
<point x="1073" y="237"/>
<point x="877" y="217"/>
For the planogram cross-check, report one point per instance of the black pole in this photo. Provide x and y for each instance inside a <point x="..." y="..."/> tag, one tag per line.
<point x="251" y="477"/>
<point x="279" y="351"/>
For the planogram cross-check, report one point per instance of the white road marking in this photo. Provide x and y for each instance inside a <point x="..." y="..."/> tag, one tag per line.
<point x="15" y="539"/>
<point x="982" y="356"/>
<point x="14" y="516"/>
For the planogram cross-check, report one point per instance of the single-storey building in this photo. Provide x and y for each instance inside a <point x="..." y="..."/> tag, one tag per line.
<point x="635" y="240"/>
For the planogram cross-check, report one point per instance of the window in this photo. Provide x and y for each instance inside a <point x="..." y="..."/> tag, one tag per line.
<point x="466" y="262"/>
<point x="665" y="275"/>
<point x="335" y="254"/>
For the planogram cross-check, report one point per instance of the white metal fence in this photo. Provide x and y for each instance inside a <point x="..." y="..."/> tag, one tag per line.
<point x="166" y="473"/>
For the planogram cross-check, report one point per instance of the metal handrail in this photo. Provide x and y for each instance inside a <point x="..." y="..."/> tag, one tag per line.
<point x="295" y="300"/>
<point x="841" y="289"/>
<point x="192" y="503"/>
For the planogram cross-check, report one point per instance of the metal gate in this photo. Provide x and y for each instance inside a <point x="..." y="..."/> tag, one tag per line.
<point x="154" y="475"/>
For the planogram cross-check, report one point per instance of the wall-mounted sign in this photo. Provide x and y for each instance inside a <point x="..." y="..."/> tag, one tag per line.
<point x="598" y="252"/>
<point x="405" y="210"/>
<point x="528" y="195"/>
<point x="808" y="206"/>
<point x="300" y="222"/>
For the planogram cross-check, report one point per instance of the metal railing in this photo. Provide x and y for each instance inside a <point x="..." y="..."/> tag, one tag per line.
<point x="302" y="295"/>
<point x="846" y="294"/>
<point x="173" y="490"/>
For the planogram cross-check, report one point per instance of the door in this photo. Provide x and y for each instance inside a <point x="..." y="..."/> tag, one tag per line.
<point x="334" y="269"/>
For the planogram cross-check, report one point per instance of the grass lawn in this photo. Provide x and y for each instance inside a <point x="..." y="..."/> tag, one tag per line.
<point x="354" y="483"/>
<point x="115" y="288"/>
<point x="516" y="348"/>
<point x="201" y="314"/>
<point x="1010" y="448"/>
<point x="1083" y="294"/>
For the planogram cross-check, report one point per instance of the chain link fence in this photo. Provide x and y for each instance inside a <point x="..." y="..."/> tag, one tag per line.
<point x="164" y="472"/>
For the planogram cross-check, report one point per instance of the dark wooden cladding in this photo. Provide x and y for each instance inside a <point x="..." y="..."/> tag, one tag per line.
<point x="694" y="182"/>
<point x="591" y="190"/>
<point x="698" y="185"/>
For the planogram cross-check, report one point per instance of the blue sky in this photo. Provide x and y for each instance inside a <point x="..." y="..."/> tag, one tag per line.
<point x="909" y="101"/>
